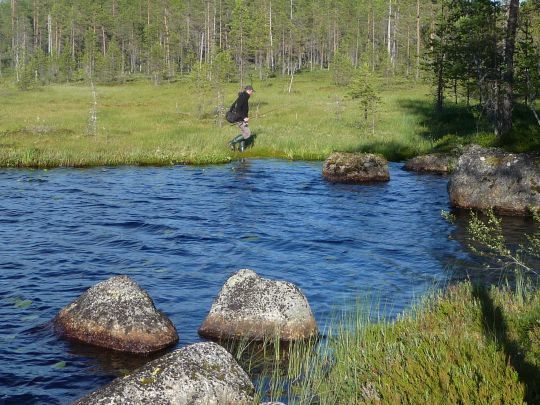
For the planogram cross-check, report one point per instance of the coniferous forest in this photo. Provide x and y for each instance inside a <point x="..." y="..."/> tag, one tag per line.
<point x="403" y="269"/>
<point x="481" y="50"/>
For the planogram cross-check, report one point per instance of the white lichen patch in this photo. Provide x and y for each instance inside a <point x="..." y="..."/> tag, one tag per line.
<point x="203" y="373"/>
<point x="118" y="314"/>
<point x="250" y="306"/>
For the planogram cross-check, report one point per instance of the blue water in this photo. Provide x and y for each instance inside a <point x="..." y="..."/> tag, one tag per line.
<point x="181" y="231"/>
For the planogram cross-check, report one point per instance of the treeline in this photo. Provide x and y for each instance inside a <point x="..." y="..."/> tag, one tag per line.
<point x="481" y="50"/>
<point x="62" y="40"/>
<point x="488" y="51"/>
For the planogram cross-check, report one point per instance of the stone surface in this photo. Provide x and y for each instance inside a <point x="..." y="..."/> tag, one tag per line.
<point x="202" y="373"/>
<point x="355" y="168"/>
<point x="255" y="308"/>
<point x="492" y="178"/>
<point x="117" y="314"/>
<point x="434" y="163"/>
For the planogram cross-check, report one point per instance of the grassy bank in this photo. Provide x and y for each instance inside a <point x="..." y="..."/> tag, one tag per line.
<point x="466" y="345"/>
<point x="143" y="124"/>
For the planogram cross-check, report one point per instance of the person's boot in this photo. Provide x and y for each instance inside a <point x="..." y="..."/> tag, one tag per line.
<point x="242" y="145"/>
<point x="234" y="141"/>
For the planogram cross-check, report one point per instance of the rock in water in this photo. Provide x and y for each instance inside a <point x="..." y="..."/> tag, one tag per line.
<point x="355" y="168"/>
<point x="492" y="178"/>
<point x="255" y="308"/>
<point x="117" y="314"/>
<point x="202" y="373"/>
<point x="434" y="163"/>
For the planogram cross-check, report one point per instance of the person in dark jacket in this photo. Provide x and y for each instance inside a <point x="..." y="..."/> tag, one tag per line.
<point x="241" y="108"/>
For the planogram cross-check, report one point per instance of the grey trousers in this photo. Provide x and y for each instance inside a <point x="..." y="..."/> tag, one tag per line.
<point x="244" y="129"/>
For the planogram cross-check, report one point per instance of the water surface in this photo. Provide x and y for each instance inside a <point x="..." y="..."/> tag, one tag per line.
<point x="181" y="231"/>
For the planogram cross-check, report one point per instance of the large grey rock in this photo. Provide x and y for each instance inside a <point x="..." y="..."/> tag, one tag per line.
<point x="255" y="308"/>
<point x="117" y="314"/>
<point x="492" y="178"/>
<point x="439" y="163"/>
<point x="202" y="373"/>
<point x="355" y="168"/>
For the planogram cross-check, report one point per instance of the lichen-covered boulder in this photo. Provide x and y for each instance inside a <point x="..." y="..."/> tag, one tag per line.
<point x="255" y="308"/>
<point x="438" y="163"/>
<point x="202" y="373"/>
<point x="116" y="314"/>
<point x="355" y="168"/>
<point x="492" y="178"/>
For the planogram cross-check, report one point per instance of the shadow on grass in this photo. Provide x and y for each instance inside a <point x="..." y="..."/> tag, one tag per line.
<point x="454" y="119"/>
<point x="496" y="329"/>
<point x="458" y="124"/>
<point x="393" y="151"/>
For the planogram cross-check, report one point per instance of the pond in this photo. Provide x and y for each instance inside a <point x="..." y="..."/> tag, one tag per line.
<point x="180" y="232"/>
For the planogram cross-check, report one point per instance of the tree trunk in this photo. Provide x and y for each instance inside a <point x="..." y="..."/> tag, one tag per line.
<point x="167" y="43"/>
<point x="417" y="39"/>
<point x="271" y="59"/>
<point x="35" y="23"/>
<point x="394" y="40"/>
<point x="440" y="83"/>
<point x="72" y="41"/>
<point x="373" y="36"/>
<point x="14" y="38"/>
<point x="103" y="39"/>
<point x="389" y="30"/>
<point x="13" y="18"/>
<point x="506" y="95"/>
<point x="49" y="34"/>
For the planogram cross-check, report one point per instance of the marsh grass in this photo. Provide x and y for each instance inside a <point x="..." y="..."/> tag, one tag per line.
<point x="143" y="124"/>
<point x="469" y="344"/>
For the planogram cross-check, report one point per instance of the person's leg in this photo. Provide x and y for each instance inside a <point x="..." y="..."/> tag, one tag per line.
<point x="244" y="128"/>
<point x="246" y="133"/>
<point x="235" y="140"/>
<point x="239" y="139"/>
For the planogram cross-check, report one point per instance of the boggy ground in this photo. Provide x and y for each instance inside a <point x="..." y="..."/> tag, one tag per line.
<point x="469" y="344"/>
<point x="139" y="123"/>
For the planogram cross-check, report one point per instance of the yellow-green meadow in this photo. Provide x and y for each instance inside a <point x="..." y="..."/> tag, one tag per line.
<point x="139" y="123"/>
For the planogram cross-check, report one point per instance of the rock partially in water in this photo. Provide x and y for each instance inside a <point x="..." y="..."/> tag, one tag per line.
<point x="438" y="163"/>
<point x="202" y="373"/>
<point x="355" y="168"/>
<point x="255" y="308"/>
<point x="117" y="314"/>
<point x="492" y="178"/>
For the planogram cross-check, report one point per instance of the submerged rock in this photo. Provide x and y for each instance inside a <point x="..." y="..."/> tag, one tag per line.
<point x="355" y="168"/>
<point x="492" y="178"/>
<point x="202" y="373"/>
<point x="439" y="163"/>
<point x="117" y="314"/>
<point x="255" y="308"/>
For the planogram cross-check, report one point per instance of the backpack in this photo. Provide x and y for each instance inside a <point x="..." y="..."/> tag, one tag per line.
<point x="230" y="115"/>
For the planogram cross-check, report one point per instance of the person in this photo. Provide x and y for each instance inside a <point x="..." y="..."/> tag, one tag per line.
<point x="241" y="108"/>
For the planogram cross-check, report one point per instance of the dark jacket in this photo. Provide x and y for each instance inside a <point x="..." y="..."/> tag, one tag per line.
<point x="242" y="106"/>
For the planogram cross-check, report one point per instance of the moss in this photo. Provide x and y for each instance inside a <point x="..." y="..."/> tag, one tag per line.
<point x="494" y="161"/>
<point x="147" y="380"/>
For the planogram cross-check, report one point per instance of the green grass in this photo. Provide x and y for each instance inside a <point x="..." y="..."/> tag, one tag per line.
<point x="469" y="344"/>
<point x="143" y="124"/>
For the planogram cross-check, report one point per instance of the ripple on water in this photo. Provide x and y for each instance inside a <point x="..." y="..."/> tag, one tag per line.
<point x="181" y="231"/>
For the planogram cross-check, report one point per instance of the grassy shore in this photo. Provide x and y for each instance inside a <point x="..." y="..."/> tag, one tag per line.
<point x="469" y="344"/>
<point x="142" y="124"/>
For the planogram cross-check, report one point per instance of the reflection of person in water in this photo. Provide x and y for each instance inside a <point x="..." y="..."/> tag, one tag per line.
<point x="241" y="109"/>
<point x="242" y="169"/>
